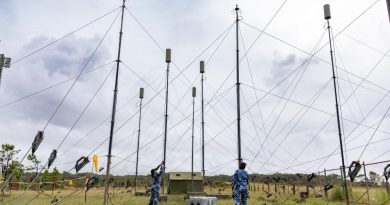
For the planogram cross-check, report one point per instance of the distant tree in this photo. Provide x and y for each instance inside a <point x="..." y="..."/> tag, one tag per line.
<point x="8" y="157"/>
<point x="55" y="175"/>
<point x="46" y="176"/>
<point x="9" y="163"/>
<point x="35" y="161"/>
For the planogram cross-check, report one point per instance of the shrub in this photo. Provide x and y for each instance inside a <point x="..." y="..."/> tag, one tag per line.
<point x="337" y="193"/>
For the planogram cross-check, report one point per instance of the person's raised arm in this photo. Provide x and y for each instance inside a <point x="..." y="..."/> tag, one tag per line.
<point x="162" y="165"/>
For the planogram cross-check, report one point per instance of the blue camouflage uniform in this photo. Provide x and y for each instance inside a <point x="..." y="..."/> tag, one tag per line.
<point x="240" y="187"/>
<point x="155" y="189"/>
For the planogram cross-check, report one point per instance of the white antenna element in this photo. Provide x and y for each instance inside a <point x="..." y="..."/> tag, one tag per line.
<point x="141" y="93"/>
<point x="327" y="15"/>
<point x="201" y="66"/>
<point x="168" y="55"/>
<point x="193" y="91"/>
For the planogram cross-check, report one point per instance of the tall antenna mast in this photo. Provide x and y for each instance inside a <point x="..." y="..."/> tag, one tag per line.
<point x="141" y="96"/>
<point x="202" y="72"/>
<point x="168" y="61"/>
<point x="107" y="182"/>
<point x="344" y="177"/>
<point x="238" y="89"/>
<point x="192" y="143"/>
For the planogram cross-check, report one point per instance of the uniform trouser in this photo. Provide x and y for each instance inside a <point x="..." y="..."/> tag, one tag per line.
<point x="154" y="196"/>
<point x="240" y="197"/>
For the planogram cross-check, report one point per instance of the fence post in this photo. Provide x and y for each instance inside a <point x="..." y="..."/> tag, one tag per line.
<point x="276" y="189"/>
<point x="319" y="182"/>
<point x="293" y="189"/>
<point x="366" y="180"/>
<point x="326" y="191"/>
<point x="268" y="187"/>
<point x="342" y="183"/>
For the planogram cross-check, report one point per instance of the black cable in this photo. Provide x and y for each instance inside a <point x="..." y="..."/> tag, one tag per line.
<point x="141" y="147"/>
<point x="362" y="86"/>
<point x="346" y="100"/>
<point x="149" y="85"/>
<point x="219" y="114"/>
<point x="388" y="151"/>
<point x="314" y="56"/>
<point x="363" y="43"/>
<point x="253" y="84"/>
<point x="81" y="114"/>
<point x="312" y="108"/>
<point x="162" y="50"/>
<point x="157" y="92"/>
<point x="360" y="123"/>
<point x="109" y="117"/>
<point x="55" y="41"/>
<point x="162" y="134"/>
<point x="310" y="103"/>
<point x="85" y="109"/>
<point x="147" y="103"/>
<point x="175" y="77"/>
<point x="265" y="28"/>
<point x="333" y="44"/>
<point x="52" y="86"/>
<point x="74" y="82"/>
<point x="69" y="195"/>
<point x="63" y="99"/>
<point x="353" y="21"/>
<point x="258" y="137"/>
<point x="373" y="134"/>
<point x="327" y="156"/>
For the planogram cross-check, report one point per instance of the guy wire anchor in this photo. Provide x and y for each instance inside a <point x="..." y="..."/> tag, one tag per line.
<point x="37" y="141"/>
<point x="81" y="163"/>
<point x="355" y="171"/>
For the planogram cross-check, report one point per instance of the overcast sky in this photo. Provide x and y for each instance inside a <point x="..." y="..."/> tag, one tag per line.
<point x="287" y="98"/>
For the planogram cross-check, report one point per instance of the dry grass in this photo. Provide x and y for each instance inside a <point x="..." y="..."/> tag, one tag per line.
<point x="121" y="197"/>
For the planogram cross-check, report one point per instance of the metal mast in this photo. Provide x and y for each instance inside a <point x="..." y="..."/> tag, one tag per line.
<point x="168" y="61"/>
<point x="141" y="96"/>
<point x="344" y="177"/>
<point x="192" y="146"/>
<point x="202" y="72"/>
<point x="238" y="88"/>
<point x="113" y="110"/>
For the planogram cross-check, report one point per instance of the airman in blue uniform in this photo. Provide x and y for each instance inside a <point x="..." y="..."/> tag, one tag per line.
<point x="155" y="189"/>
<point x="240" y="185"/>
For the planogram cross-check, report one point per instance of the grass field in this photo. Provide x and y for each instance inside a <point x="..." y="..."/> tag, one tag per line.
<point x="124" y="197"/>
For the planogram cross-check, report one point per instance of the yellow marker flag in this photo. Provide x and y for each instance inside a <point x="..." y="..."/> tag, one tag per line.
<point x="95" y="162"/>
<point x="70" y="182"/>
